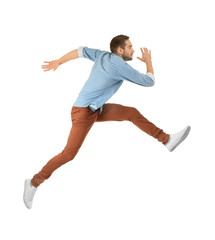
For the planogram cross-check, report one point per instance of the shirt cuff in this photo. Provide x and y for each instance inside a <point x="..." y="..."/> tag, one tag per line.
<point x="151" y="76"/>
<point x="80" y="52"/>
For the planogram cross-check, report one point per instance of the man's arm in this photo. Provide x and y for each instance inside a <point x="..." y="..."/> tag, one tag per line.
<point x="53" y="65"/>
<point x="85" y="52"/>
<point x="89" y="53"/>
<point x="69" y="56"/>
<point x="132" y="75"/>
<point x="149" y="67"/>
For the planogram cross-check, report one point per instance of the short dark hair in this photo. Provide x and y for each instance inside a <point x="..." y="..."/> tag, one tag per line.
<point x="118" y="41"/>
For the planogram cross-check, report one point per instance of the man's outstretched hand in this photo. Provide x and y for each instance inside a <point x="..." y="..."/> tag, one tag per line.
<point x="146" y="55"/>
<point x="52" y="65"/>
<point x="146" y="58"/>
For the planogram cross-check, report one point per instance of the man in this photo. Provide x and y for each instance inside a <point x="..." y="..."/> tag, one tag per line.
<point x="108" y="73"/>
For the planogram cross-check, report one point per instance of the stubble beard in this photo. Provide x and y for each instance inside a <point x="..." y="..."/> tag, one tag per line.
<point x="126" y="57"/>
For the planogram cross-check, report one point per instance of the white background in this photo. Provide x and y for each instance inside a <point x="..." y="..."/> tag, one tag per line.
<point x="123" y="184"/>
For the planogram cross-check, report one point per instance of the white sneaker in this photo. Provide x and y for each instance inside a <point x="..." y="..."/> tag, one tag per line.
<point x="29" y="192"/>
<point x="177" y="138"/>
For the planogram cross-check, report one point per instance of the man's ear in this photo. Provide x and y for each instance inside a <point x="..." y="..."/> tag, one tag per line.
<point x="119" y="50"/>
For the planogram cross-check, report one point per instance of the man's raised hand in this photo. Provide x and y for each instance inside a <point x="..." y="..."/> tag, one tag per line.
<point x="146" y="55"/>
<point x="52" y="65"/>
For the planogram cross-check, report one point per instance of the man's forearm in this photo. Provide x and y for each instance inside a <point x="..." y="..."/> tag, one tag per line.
<point x="149" y="67"/>
<point x="69" y="56"/>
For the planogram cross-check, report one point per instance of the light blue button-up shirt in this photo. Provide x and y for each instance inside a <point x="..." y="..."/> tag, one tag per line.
<point x="107" y="75"/>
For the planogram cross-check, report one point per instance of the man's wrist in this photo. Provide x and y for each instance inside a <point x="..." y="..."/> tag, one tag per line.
<point x="149" y="66"/>
<point x="59" y="62"/>
<point x="148" y="61"/>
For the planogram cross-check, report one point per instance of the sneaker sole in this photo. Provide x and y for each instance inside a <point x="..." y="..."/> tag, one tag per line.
<point x="25" y="186"/>
<point x="182" y="138"/>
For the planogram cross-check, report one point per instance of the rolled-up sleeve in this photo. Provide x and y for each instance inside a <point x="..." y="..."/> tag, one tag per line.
<point x="151" y="76"/>
<point x="89" y="53"/>
<point x="80" y="52"/>
<point x="132" y="75"/>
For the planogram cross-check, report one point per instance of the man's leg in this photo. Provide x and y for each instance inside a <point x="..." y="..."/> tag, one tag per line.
<point x="82" y="121"/>
<point x="75" y="140"/>
<point x="117" y="112"/>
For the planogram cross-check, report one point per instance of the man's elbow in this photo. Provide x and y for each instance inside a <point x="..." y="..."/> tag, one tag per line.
<point x="151" y="79"/>
<point x="152" y="83"/>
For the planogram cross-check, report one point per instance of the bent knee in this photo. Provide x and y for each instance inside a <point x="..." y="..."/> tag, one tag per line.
<point x="133" y="112"/>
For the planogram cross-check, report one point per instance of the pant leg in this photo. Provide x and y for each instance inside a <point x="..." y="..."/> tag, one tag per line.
<point x="82" y="121"/>
<point x="117" y="112"/>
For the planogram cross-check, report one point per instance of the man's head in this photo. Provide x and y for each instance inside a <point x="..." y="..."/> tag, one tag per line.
<point x="121" y="46"/>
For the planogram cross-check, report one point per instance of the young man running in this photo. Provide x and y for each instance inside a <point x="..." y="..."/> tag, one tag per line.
<point x="108" y="73"/>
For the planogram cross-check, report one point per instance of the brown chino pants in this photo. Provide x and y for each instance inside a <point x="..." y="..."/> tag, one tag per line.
<point x="83" y="119"/>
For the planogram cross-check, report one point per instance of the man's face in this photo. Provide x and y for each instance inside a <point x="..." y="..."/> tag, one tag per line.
<point x="127" y="53"/>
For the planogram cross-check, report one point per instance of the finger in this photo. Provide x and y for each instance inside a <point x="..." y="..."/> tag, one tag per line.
<point x="44" y="66"/>
<point x="142" y="51"/>
<point x="141" y="59"/>
<point x="46" y="62"/>
<point x="146" y="50"/>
